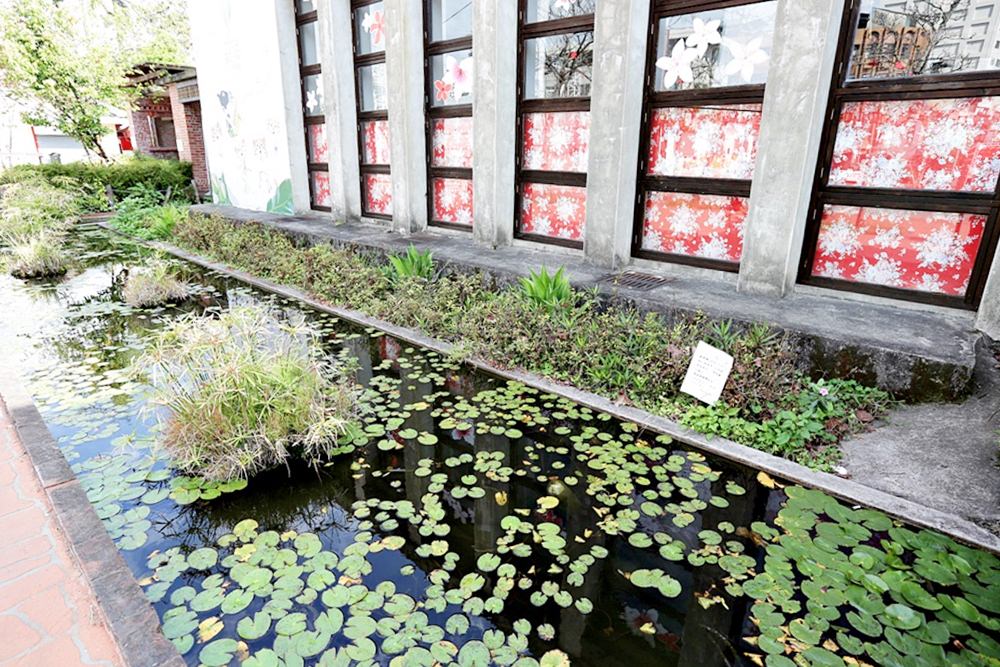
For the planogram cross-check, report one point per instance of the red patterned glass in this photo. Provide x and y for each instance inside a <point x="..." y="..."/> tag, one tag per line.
<point x="378" y="194"/>
<point x="452" y="200"/>
<point x="451" y="142"/>
<point x="557" y="211"/>
<point x="933" y="144"/>
<point x="704" y="142"/>
<point x="318" y="148"/>
<point x="924" y="251"/>
<point x="705" y="226"/>
<point x="320" y="188"/>
<point x="375" y="134"/>
<point x="557" y="141"/>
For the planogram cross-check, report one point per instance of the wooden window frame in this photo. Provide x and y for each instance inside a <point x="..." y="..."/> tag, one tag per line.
<point x="432" y="113"/>
<point x="525" y="32"/>
<point x="696" y="97"/>
<point x="360" y="60"/>
<point x="307" y="120"/>
<point x="984" y="83"/>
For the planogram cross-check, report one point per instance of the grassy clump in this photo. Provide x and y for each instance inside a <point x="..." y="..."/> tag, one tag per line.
<point x="32" y="207"/>
<point x="244" y="392"/>
<point x="36" y="256"/>
<point x="414" y="265"/>
<point x="544" y="326"/>
<point x="154" y="285"/>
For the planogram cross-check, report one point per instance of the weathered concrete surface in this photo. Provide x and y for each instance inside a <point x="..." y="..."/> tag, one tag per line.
<point x="934" y="360"/>
<point x="795" y="100"/>
<point x="943" y="456"/>
<point x="988" y="320"/>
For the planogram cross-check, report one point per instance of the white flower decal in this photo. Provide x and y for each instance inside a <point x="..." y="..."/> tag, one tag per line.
<point x="703" y="35"/>
<point x="677" y="65"/>
<point x="745" y="58"/>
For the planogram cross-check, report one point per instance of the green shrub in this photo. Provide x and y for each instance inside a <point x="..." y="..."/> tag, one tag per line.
<point x="36" y="256"/>
<point x="244" y="392"/>
<point x="549" y="292"/>
<point x="135" y="216"/>
<point x="415" y="264"/>
<point x="88" y="181"/>
<point x="34" y="206"/>
<point x="153" y="285"/>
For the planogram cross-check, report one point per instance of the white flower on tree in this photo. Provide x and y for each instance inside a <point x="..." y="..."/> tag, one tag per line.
<point x="942" y="247"/>
<point x="745" y="57"/>
<point x="677" y="65"/>
<point x="703" y="35"/>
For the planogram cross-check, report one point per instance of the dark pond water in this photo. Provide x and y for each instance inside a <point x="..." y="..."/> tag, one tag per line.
<point x="477" y="521"/>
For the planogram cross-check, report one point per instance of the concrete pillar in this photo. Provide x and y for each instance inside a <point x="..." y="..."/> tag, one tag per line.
<point x="404" y="63"/>
<point x="291" y="91"/>
<point x="494" y="32"/>
<point x="341" y="110"/>
<point x="795" y="100"/>
<point x="621" y="30"/>
<point x="988" y="320"/>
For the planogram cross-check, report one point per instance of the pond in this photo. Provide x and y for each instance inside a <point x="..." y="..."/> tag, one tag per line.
<point x="474" y="520"/>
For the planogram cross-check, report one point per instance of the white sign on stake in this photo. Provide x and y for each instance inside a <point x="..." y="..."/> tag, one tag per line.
<point x="706" y="376"/>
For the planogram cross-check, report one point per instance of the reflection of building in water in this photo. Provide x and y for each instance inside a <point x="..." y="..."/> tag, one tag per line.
<point x="907" y="37"/>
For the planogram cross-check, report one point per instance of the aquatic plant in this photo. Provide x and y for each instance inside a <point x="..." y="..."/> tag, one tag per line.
<point x="36" y="256"/>
<point x="153" y="285"/>
<point x="34" y="206"/>
<point x="243" y="392"/>
<point x="415" y="264"/>
<point x="551" y="292"/>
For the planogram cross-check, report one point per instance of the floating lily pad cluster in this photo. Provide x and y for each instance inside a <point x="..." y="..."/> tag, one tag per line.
<point x="472" y="521"/>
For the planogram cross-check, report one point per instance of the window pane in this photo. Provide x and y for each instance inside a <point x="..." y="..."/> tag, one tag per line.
<point x="308" y="49"/>
<point x="704" y="142"/>
<point x="548" y="10"/>
<point x="451" y="142"/>
<point x="371" y="84"/>
<point x="558" y="66"/>
<point x="918" y="37"/>
<point x="452" y="200"/>
<point x="919" y="144"/>
<point x="553" y="210"/>
<point x="369" y="28"/>
<point x="378" y="193"/>
<point x="375" y="134"/>
<point x="450" y="19"/>
<point x="313" y="85"/>
<point x="320" y="188"/>
<point x="451" y="78"/>
<point x="318" y="147"/>
<point x="557" y="141"/>
<point x="305" y="6"/>
<point x="706" y="226"/>
<point x="720" y="47"/>
<point x="916" y="250"/>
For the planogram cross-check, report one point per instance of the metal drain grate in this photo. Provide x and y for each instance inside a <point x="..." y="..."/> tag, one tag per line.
<point x="637" y="281"/>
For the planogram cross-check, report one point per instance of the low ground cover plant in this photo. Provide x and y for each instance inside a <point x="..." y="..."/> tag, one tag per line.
<point x="243" y="392"/>
<point x="154" y="284"/>
<point x="146" y="214"/>
<point x="637" y="358"/>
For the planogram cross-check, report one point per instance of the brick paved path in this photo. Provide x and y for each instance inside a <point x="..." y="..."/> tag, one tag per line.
<point x="48" y="616"/>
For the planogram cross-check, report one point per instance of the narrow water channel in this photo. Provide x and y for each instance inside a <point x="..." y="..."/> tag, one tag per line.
<point x="476" y="520"/>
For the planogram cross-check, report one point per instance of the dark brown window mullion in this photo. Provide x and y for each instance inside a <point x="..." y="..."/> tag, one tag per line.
<point x="842" y="91"/>
<point x="304" y="71"/>
<point x="361" y="60"/>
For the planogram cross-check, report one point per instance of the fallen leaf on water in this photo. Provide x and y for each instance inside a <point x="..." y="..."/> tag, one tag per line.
<point x="501" y="497"/>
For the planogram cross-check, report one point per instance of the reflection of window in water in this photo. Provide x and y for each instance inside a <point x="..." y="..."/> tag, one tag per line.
<point x="898" y="38"/>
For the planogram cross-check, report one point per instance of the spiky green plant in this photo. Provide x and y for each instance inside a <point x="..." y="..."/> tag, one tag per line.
<point x="242" y="392"/>
<point x="36" y="256"/>
<point x="153" y="285"/>
<point x="415" y="264"/>
<point x="550" y="292"/>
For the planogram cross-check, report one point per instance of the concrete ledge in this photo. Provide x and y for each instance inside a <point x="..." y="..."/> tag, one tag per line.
<point x="853" y="492"/>
<point x="127" y="613"/>
<point x="935" y="360"/>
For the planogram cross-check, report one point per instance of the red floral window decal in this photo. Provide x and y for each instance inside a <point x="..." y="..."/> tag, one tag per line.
<point x="452" y="200"/>
<point x="553" y="210"/>
<point x="451" y="142"/>
<point x="321" y="188"/>
<point x="706" y="226"/>
<point x="318" y="147"/>
<point x="557" y="141"/>
<point x="378" y="194"/>
<point x="918" y="250"/>
<point x="376" y="136"/>
<point x="704" y="142"/>
<point x="934" y="144"/>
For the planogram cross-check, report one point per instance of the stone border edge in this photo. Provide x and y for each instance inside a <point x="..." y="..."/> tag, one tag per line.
<point x="126" y="613"/>
<point x="952" y="525"/>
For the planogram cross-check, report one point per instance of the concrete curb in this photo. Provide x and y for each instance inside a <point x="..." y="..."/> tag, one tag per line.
<point x="850" y="491"/>
<point x="131" y="620"/>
